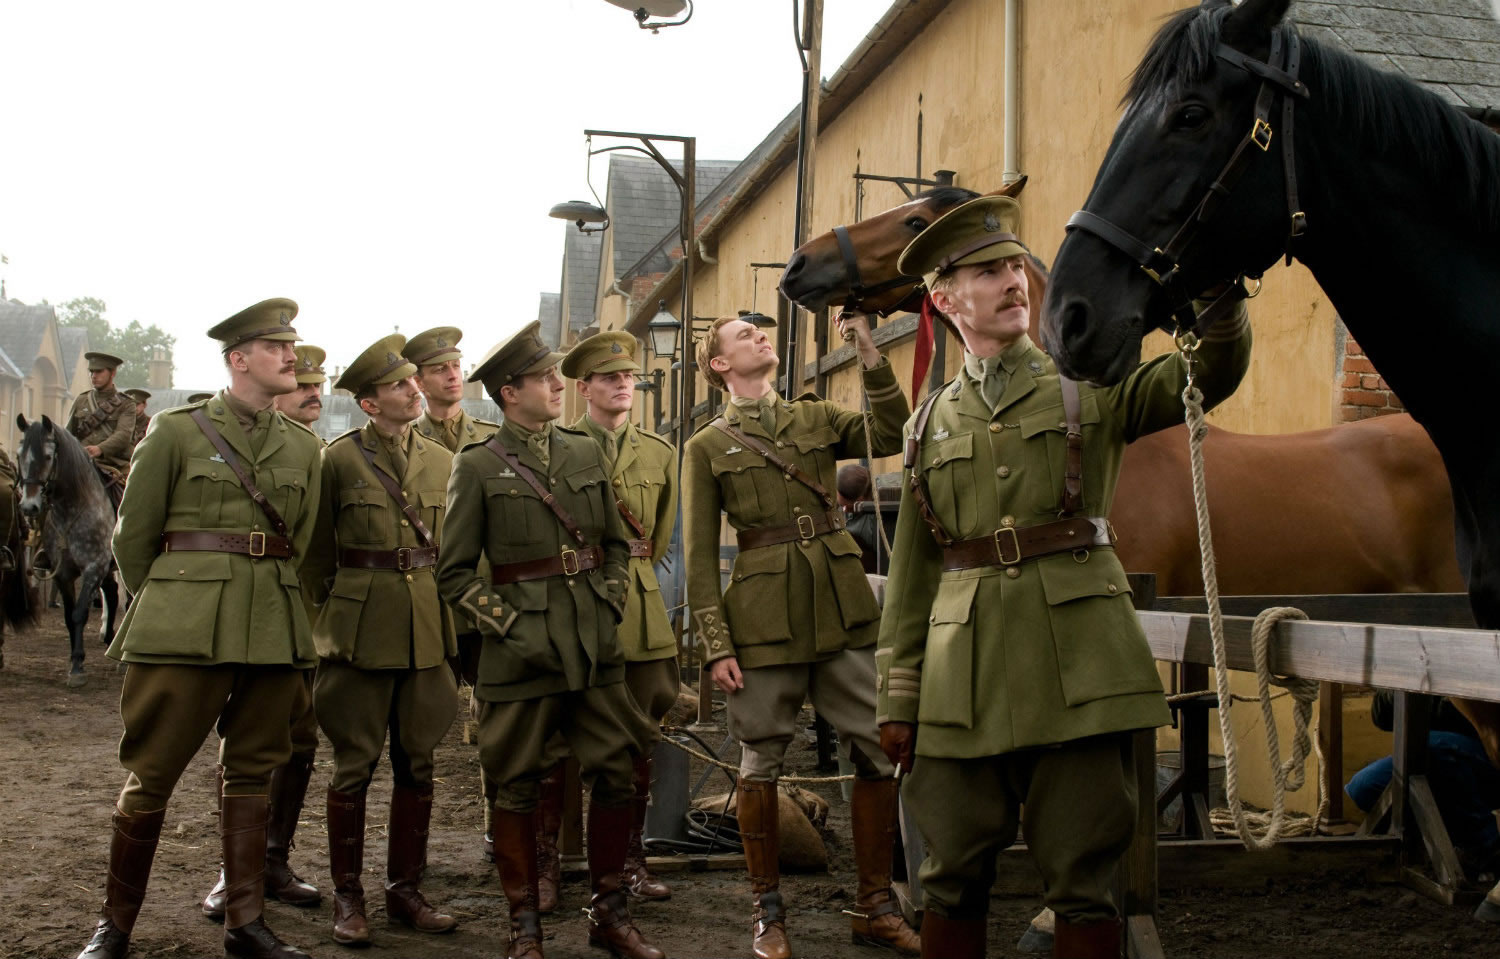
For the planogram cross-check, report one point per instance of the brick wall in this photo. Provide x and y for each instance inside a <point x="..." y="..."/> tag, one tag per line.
<point x="1365" y="392"/>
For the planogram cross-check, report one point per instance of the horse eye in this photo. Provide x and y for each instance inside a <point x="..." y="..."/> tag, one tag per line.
<point x="1190" y="117"/>
<point x="917" y="224"/>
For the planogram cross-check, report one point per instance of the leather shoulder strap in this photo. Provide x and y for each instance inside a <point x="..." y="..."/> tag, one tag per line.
<point x="101" y="412"/>
<point x="630" y="520"/>
<point x="494" y="445"/>
<point x="393" y="489"/>
<point x="233" y="462"/>
<point x="790" y="469"/>
<point x="1072" y="496"/>
<point x="913" y="462"/>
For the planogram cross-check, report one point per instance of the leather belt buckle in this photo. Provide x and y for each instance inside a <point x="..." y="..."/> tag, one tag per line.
<point x="570" y="556"/>
<point x="257" y="548"/>
<point x="805" y="527"/>
<point x="403" y="558"/>
<point x="1015" y="541"/>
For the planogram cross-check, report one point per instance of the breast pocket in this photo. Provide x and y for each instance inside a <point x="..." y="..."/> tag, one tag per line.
<point x="288" y="485"/>
<point x="218" y="489"/>
<point x="587" y="486"/>
<point x="817" y="445"/>
<point x="517" y="515"/>
<point x="364" y="515"/>
<point x="432" y="503"/>
<point x="948" y="465"/>
<point x="736" y="474"/>
<point x="1051" y="423"/>
<point x="641" y="488"/>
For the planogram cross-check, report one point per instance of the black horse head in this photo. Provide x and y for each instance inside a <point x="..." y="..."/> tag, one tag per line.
<point x="1190" y="105"/>
<point x="54" y="467"/>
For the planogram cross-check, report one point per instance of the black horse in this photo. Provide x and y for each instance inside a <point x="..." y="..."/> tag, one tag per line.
<point x="18" y="601"/>
<point x="58" y="480"/>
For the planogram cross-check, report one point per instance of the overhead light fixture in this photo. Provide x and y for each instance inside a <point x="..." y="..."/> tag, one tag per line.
<point x="582" y="213"/>
<point x="663" y="329"/>
<point x="644" y="10"/>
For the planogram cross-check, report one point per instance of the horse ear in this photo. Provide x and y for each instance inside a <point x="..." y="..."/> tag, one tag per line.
<point x="47" y="422"/>
<point x="1249" y="25"/>
<point x="21" y="422"/>
<point x="1012" y="189"/>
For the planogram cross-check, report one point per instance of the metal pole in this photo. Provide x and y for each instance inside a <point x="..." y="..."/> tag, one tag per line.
<point x="810" y="49"/>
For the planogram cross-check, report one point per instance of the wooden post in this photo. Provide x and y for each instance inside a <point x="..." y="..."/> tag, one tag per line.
<point x="1331" y="744"/>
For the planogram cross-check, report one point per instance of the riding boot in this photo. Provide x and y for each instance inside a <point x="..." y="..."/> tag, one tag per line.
<point x="637" y="874"/>
<point x="876" y="918"/>
<point x="515" y="861"/>
<point x="131" y="849"/>
<point x="242" y="825"/>
<point x="760" y="832"/>
<point x="346" y="860"/>
<point x="610" y="925"/>
<point x="411" y="812"/>
<point x="549" y="814"/>
<point x="944" y="938"/>
<point x="1088" y="940"/>
<point x="213" y="903"/>
<point x="288" y="789"/>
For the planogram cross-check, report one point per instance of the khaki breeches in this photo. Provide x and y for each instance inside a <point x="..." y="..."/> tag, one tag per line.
<point x="169" y="710"/>
<point x="763" y="715"/>
<point x="356" y="707"/>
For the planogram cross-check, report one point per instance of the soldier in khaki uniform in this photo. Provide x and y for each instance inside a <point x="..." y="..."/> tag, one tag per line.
<point x="799" y="619"/>
<point x="8" y="556"/>
<point x="142" y="421"/>
<point x="103" y="420"/>
<point x="383" y="635"/>
<point x="436" y="355"/>
<point x="1012" y="665"/>
<point x="643" y="472"/>
<point x="289" y="781"/>
<point x="536" y="501"/>
<point x="217" y="636"/>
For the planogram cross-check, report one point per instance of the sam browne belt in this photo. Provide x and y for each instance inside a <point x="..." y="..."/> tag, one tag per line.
<point x="400" y="559"/>
<point x="568" y="563"/>
<point x="254" y="545"/>
<point x="808" y="526"/>
<point x="1011" y="545"/>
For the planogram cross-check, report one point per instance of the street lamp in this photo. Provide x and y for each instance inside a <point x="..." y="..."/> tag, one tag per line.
<point x="663" y="330"/>
<point x="643" y="9"/>
<point x="581" y="212"/>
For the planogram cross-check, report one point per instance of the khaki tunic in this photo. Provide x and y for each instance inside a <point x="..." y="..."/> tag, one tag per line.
<point x="469" y="430"/>
<point x="644" y="477"/>
<point x="543" y="636"/>
<point x="991" y="660"/>
<point x="379" y="618"/>
<point x="205" y="608"/>
<point x="817" y="586"/>
<point x="115" y="434"/>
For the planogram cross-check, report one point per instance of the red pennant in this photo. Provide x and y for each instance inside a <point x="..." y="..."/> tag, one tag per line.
<point x="922" y="353"/>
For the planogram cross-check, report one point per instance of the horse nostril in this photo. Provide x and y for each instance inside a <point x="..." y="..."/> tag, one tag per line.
<point x="1073" y="329"/>
<point x="794" y="267"/>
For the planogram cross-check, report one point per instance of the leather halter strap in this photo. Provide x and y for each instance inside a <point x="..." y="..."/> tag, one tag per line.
<point x="858" y="291"/>
<point x="1163" y="264"/>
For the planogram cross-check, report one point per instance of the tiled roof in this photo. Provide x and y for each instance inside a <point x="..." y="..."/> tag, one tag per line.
<point x="580" y="276"/>
<point x="644" y="204"/>
<point x="549" y="314"/>
<point x="1451" y="47"/>
<point x="21" y="330"/>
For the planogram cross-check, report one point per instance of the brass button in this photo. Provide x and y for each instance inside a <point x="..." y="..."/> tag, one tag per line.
<point x="994" y="427"/>
<point x="405" y="523"/>
<point x="804" y="543"/>
<point x="781" y="444"/>
<point x="1007" y="521"/>
<point x="936" y="460"/>
<point x="1113" y="588"/>
<point x="1014" y="572"/>
<point x="515" y="492"/>
<point x="787" y="477"/>
<point x="213" y="474"/>
<point x="1063" y="425"/>
<point x="571" y="583"/>
<point x="617" y="482"/>
<point x="408" y="577"/>
<point x="182" y="572"/>
<point x="796" y="509"/>
<point x="1002" y="472"/>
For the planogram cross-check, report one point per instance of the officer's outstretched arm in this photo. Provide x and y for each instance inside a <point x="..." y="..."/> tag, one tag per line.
<point x="1150" y="398"/>
<point x="888" y="411"/>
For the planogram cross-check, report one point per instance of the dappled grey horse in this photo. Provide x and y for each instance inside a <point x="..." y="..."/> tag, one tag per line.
<point x="61" y="489"/>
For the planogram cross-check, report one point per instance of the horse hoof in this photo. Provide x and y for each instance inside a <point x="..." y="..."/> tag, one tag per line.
<point x="1035" y="942"/>
<point x="76" y="680"/>
<point x="1487" y="911"/>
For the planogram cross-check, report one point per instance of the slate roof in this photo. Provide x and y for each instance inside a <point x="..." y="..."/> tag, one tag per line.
<point x="644" y="204"/>
<point x="75" y="340"/>
<point x="1451" y="47"/>
<point x="580" y="276"/>
<point x="21" y="330"/>
<point x="340" y="412"/>
<point x="549" y="314"/>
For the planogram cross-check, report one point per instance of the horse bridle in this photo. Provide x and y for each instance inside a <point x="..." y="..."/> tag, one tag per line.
<point x="1278" y="77"/>
<point x="859" y="292"/>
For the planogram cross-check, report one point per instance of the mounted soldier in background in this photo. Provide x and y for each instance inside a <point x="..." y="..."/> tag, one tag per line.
<point x="103" y="420"/>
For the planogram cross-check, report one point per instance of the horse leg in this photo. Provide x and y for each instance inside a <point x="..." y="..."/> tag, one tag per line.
<point x="71" y="607"/>
<point x="111" y="590"/>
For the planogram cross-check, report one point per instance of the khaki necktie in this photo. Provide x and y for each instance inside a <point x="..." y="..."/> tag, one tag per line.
<point x="540" y="444"/>
<point x="395" y="448"/>
<point x="992" y="387"/>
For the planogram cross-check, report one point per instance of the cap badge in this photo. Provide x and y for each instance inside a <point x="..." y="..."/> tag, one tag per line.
<point x="392" y="358"/>
<point x="991" y="223"/>
<point x="286" y="320"/>
<point x="441" y="342"/>
<point x="616" y="348"/>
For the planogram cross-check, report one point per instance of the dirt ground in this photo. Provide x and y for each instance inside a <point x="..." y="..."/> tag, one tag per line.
<point x="59" y="777"/>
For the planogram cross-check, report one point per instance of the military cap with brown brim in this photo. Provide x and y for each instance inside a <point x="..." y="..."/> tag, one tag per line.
<point x="102" y="361"/>
<point x="380" y="363"/>
<point x="521" y="354"/>
<point x="437" y="345"/>
<point x="310" y="364"/>
<point x="266" y="320"/>
<point x="979" y="231"/>
<point x="602" y="353"/>
<point x="140" y="396"/>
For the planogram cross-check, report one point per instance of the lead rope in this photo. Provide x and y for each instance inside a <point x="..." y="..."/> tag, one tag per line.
<point x="1290" y="775"/>
<point x="866" y="415"/>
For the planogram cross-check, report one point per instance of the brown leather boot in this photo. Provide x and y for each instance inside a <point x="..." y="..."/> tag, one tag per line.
<point x="132" y="846"/>
<point x="638" y="875"/>
<point x="760" y="831"/>
<point x="242" y="825"/>
<point x="944" y="938"/>
<point x="876" y="918"/>
<point x="515" y="860"/>
<point x="213" y="903"/>
<point x="288" y="789"/>
<point x="610" y="925"/>
<point x="346" y="860"/>
<point x="411" y="812"/>
<point x="1088" y="940"/>
<point x="549" y="813"/>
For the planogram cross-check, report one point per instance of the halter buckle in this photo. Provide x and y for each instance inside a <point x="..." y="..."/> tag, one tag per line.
<point x="1299" y="223"/>
<point x="1260" y="134"/>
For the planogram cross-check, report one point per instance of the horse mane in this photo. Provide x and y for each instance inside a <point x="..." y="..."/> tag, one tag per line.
<point x="947" y="195"/>
<point x="1386" y="108"/>
<point x="74" y="471"/>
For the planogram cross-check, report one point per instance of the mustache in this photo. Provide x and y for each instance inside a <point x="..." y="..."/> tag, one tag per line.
<point x="289" y="368"/>
<point x="1014" y="300"/>
<point x="311" y="401"/>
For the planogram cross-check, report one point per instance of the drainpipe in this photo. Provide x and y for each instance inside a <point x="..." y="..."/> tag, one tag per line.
<point x="1012" y="148"/>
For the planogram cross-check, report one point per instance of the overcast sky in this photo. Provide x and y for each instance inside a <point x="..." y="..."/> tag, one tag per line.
<point x="379" y="163"/>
